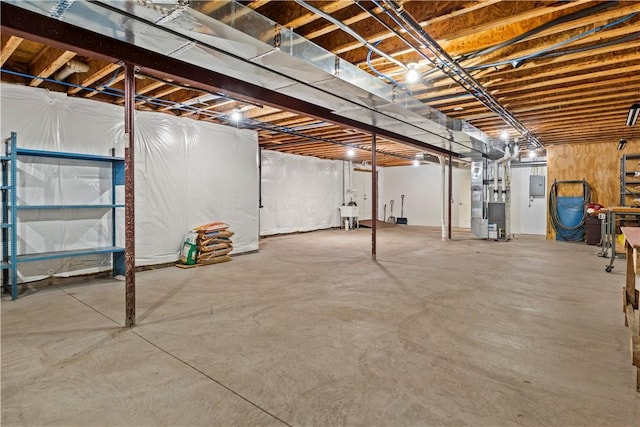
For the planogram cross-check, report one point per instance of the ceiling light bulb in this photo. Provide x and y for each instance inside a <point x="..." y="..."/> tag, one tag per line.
<point x="632" y="117"/>
<point x="412" y="73"/>
<point x="532" y="153"/>
<point x="236" y="115"/>
<point x="351" y="152"/>
<point x="504" y="135"/>
<point x="416" y="162"/>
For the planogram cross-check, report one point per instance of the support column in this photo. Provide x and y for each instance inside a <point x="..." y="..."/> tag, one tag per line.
<point x="129" y="202"/>
<point x="374" y="196"/>
<point x="450" y="196"/>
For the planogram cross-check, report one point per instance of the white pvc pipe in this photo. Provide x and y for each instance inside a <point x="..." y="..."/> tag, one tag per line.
<point x="443" y="211"/>
<point x="504" y="181"/>
<point x="495" y="179"/>
<point x="496" y="168"/>
<point x="71" y="67"/>
<point x="507" y="170"/>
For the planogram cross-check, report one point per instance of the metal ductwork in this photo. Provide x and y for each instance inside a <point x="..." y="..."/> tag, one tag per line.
<point x="237" y="41"/>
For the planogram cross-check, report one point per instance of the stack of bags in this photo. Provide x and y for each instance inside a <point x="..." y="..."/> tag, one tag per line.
<point x="214" y="243"/>
<point x="207" y="244"/>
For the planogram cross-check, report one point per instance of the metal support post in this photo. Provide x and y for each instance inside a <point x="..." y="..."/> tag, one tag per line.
<point x="450" y="196"/>
<point x="374" y="196"/>
<point x="129" y="249"/>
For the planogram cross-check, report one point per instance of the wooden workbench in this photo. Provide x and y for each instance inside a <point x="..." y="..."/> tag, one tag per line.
<point x="630" y="295"/>
<point x="608" y="241"/>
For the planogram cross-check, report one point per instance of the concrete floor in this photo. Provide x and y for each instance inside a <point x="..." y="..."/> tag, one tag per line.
<point x="311" y="332"/>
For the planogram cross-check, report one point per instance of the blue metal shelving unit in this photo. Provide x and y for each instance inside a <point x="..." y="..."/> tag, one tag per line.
<point x="10" y="257"/>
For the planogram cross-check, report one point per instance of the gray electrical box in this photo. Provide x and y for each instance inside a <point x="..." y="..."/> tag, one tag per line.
<point x="536" y="186"/>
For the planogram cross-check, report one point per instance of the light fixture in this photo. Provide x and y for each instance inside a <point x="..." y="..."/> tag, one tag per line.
<point x="351" y="152"/>
<point x="622" y="143"/>
<point x="504" y="135"/>
<point x="412" y="73"/>
<point x="416" y="162"/>
<point x="632" y="118"/>
<point x="419" y="156"/>
<point x="532" y="153"/>
<point x="236" y="115"/>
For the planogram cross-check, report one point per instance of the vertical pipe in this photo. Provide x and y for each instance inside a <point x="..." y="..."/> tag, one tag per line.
<point x="260" y="178"/>
<point x="129" y="250"/>
<point x="343" y="189"/>
<point x="13" y="257"/>
<point x="443" y="203"/>
<point x="374" y="196"/>
<point x="450" y="195"/>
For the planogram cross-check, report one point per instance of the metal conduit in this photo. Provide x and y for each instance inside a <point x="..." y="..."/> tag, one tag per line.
<point x="457" y="73"/>
<point x="524" y="36"/>
<point x="349" y="31"/>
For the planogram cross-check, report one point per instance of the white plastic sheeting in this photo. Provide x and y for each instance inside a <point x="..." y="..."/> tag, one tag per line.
<point x="299" y="193"/>
<point x="187" y="173"/>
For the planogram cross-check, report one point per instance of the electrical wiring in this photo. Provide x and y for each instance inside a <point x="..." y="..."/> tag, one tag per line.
<point x="516" y="62"/>
<point x="393" y="82"/>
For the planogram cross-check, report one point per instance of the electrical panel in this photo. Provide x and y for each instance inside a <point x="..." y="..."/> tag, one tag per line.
<point x="536" y="186"/>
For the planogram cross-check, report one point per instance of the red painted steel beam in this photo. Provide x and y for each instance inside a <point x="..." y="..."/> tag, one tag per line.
<point x="33" y="26"/>
<point x="374" y="197"/>
<point x="129" y="202"/>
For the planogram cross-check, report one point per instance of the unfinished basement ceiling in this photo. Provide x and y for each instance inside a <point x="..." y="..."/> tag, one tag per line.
<point x="567" y="71"/>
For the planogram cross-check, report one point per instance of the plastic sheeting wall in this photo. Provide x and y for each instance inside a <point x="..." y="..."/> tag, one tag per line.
<point x="187" y="173"/>
<point x="299" y="193"/>
<point x="422" y="187"/>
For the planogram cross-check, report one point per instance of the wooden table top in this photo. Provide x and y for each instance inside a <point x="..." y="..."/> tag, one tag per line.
<point x="632" y="236"/>
<point x="623" y="209"/>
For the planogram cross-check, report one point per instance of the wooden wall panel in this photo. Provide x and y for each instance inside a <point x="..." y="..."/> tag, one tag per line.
<point x="598" y="164"/>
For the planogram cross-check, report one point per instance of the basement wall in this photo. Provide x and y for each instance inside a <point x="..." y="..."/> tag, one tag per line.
<point x="597" y="163"/>
<point x="299" y="193"/>
<point x="188" y="173"/>
<point x="527" y="216"/>
<point x="422" y="187"/>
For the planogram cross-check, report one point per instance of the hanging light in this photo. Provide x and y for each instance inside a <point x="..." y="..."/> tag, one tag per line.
<point x="236" y="115"/>
<point x="413" y="75"/>
<point x="632" y="118"/>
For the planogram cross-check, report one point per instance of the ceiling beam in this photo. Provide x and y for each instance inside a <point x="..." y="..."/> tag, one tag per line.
<point x="48" y="62"/>
<point x="9" y="45"/>
<point x="22" y="22"/>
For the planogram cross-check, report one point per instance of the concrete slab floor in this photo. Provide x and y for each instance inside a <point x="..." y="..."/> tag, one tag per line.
<point x="310" y="332"/>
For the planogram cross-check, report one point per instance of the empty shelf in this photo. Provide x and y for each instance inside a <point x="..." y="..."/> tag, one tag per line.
<point x="69" y="206"/>
<point x="68" y="254"/>
<point x="63" y="155"/>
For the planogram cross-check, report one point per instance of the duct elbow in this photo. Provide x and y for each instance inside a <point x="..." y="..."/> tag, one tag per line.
<point x="70" y="68"/>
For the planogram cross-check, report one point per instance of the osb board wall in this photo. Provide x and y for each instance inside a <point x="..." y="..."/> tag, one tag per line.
<point x="598" y="164"/>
